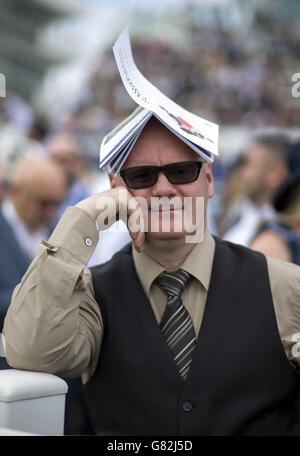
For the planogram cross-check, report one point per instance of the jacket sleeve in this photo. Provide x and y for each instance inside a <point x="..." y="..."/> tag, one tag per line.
<point x="53" y="323"/>
<point x="285" y="287"/>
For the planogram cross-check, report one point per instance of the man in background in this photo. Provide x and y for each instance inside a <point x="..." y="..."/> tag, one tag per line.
<point x="63" y="149"/>
<point x="37" y="187"/>
<point x="265" y="168"/>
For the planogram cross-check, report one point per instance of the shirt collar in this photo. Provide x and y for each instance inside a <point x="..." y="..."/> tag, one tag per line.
<point x="198" y="263"/>
<point x="11" y="215"/>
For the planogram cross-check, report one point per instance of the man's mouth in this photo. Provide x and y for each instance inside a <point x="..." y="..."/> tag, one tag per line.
<point x="165" y="210"/>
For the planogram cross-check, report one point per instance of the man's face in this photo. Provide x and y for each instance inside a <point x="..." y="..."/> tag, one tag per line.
<point x="157" y="146"/>
<point x="38" y="204"/>
<point x="63" y="151"/>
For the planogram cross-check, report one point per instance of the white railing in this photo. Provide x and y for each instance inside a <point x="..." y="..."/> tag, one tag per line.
<point x="31" y="403"/>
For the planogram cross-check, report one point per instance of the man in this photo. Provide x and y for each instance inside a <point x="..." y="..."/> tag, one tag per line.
<point x="265" y="168"/>
<point x="170" y="337"/>
<point x="37" y="187"/>
<point x="64" y="150"/>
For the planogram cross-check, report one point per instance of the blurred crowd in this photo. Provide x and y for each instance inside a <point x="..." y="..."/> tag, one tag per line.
<point x="230" y="76"/>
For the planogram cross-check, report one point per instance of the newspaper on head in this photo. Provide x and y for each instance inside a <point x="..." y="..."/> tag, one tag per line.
<point x="200" y="134"/>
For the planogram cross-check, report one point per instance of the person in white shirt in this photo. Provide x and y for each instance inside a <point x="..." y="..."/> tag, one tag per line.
<point x="264" y="169"/>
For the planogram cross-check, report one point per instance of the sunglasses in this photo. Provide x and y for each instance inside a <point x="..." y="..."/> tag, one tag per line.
<point x="146" y="176"/>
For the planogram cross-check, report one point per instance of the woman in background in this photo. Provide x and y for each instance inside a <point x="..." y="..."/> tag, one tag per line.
<point x="281" y="238"/>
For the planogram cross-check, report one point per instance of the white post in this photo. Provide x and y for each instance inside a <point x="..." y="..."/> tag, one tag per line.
<point x="32" y="402"/>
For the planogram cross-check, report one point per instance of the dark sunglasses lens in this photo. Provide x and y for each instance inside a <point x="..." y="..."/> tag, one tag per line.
<point x="183" y="173"/>
<point x="140" y="177"/>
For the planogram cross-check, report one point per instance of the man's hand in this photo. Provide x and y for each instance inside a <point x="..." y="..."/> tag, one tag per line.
<point x="112" y="205"/>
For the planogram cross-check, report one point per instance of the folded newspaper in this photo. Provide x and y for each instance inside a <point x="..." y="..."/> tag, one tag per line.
<point x="200" y="134"/>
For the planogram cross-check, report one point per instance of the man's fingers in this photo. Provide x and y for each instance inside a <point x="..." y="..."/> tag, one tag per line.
<point x="120" y="204"/>
<point x="106" y="208"/>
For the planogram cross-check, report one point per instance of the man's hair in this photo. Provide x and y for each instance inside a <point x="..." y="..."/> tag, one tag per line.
<point x="291" y="215"/>
<point x="276" y="145"/>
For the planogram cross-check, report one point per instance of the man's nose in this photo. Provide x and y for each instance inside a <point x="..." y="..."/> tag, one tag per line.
<point x="163" y="187"/>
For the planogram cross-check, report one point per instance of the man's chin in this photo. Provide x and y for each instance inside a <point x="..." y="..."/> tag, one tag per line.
<point x="164" y="236"/>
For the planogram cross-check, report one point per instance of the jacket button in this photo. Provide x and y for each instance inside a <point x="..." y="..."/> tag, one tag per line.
<point x="187" y="406"/>
<point x="88" y="242"/>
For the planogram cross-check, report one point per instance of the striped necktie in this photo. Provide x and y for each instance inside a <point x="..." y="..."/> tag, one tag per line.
<point x="176" y="323"/>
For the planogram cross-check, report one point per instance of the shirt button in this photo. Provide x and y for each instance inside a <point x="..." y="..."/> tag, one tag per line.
<point x="88" y="242"/>
<point x="187" y="406"/>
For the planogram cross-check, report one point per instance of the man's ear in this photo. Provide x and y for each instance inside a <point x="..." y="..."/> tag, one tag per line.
<point x="112" y="180"/>
<point x="209" y="180"/>
<point x="115" y="180"/>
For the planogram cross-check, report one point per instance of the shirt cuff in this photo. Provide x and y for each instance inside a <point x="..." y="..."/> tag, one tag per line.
<point x="76" y="232"/>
